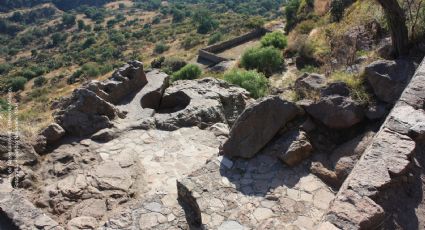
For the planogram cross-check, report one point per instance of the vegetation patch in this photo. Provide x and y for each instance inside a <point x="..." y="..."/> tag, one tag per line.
<point x="355" y="82"/>
<point x="255" y="83"/>
<point x="264" y="59"/>
<point x="189" y="72"/>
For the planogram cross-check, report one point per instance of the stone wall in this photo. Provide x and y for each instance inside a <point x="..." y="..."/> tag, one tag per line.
<point x="385" y="163"/>
<point x="209" y="52"/>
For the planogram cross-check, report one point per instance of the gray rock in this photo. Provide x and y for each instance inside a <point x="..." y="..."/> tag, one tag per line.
<point x="308" y="84"/>
<point x="40" y="144"/>
<point x="23" y="214"/>
<point x="389" y="78"/>
<point x="85" y="113"/>
<point x="292" y="148"/>
<point x="336" y="88"/>
<point x="126" y="80"/>
<point x="336" y="112"/>
<point x="82" y="223"/>
<point x="257" y="125"/>
<point x="53" y="133"/>
<point x="104" y="135"/>
<point x="200" y="103"/>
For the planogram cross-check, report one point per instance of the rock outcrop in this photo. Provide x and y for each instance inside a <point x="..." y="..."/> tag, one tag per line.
<point x="389" y="78"/>
<point x="200" y="103"/>
<point x="386" y="160"/>
<point x="257" y="125"/>
<point x="92" y="107"/>
<point x="292" y="147"/>
<point x="125" y="81"/>
<point x="309" y="84"/>
<point x="23" y="214"/>
<point x="53" y="133"/>
<point x="336" y="112"/>
<point x="85" y="113"/>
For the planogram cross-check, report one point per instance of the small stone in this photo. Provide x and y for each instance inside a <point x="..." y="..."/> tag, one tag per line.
<point x="262" y="214"/>
<point x="230" y="225"/>
<point x="225" y="161"/>
<point x="153" y="207"/>
<point x="148" y="220"/>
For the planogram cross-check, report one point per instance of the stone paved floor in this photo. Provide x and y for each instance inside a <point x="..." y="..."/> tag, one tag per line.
<point x="260" y="193"/>
<point x="165" y="156"/>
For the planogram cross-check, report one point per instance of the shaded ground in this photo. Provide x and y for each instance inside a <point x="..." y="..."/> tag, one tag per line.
<point x="260" y="193"/>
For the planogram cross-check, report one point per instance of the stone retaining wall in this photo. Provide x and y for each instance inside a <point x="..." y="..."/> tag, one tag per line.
<point x="384" y="163"/>
<point x="209" y="52"/>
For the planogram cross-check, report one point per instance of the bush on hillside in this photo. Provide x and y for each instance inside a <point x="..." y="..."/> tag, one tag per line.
<point x="189" y="72"/>
<point x="264" y="59"/>
<point x="17" y="83"/>
<point x="276" y="39"/>
<point x="254" y="82"/>
<point x="173" y="64"/>
<point x="39" y="81"/>
<point x="160" y="48"/>
<point x="191" y="41"/>
<point x="216" y="37"/>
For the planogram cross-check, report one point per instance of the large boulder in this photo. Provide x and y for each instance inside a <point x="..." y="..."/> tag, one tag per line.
<point x="336" y="88"/>
<point x="124" y="81"/>
<point x="309" y="84"/>
<point x="336" y="112"/>
<point x="389" y="78"/>
<point x="53" y="133"/>
<point x="257" y="125"/>
<point x="20" y="213"/>
<point x="292" y="148"/>
<point x="200" y="103"/>
<point x="85" y="113"/>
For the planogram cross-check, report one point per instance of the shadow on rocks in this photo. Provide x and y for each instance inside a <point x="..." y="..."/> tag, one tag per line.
<point x="261" y="175"/>
<point x="402" y="202"/>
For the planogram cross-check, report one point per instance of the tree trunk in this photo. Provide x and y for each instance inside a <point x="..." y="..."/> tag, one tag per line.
<point x="397" y="22"/>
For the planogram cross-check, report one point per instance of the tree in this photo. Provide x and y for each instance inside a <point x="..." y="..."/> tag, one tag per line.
<point x="81" y="25"/>
<point x="397" y="23"/>
<point x="68" y="20"/>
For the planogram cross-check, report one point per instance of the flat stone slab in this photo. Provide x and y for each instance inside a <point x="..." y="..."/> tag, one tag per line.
<point x="260" y="193"/>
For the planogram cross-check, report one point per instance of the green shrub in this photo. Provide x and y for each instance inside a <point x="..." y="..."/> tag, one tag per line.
<point x="5" y="68"/>
<point x="189" y="72"/>
<point x="216" y="37"/>
<point x="191" y="41"/>
<point x="254" y="82"/>
<point x="17" y="83"/>
<point x="276" y="39"/>
<point x="356" y="83"/>
<point x="91" y="69"/>
<point x="264" y="59"/>
<point x="39" y="81"/>
<point x="68" y="20"/>
<point x="160" y="48"/>
<point x="4" y="105"/>
<point x="173" y="64"/>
